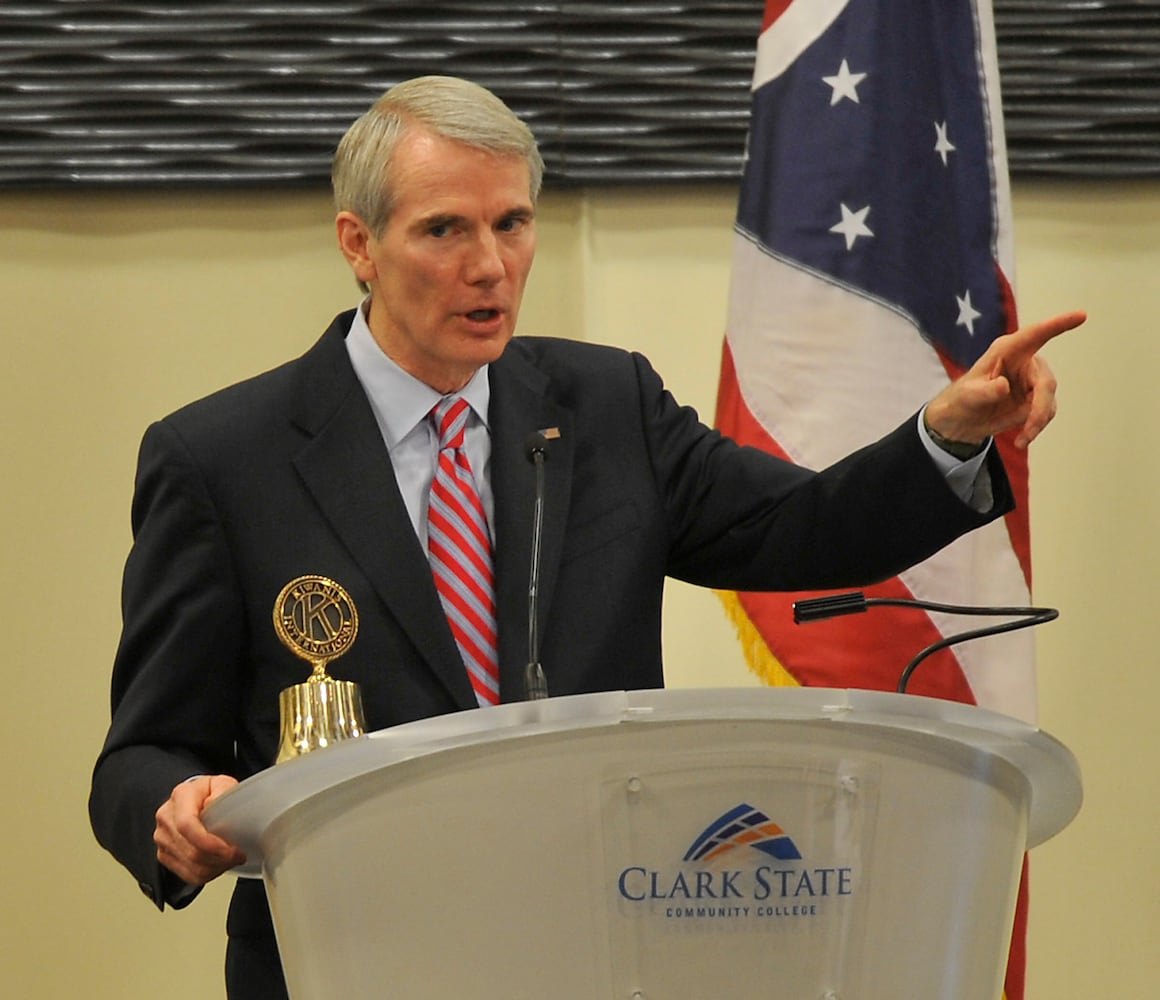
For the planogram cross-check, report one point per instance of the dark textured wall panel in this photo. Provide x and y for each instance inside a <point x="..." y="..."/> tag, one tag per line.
<point x="1081" y="85"/>
<point x="209" y="94"/>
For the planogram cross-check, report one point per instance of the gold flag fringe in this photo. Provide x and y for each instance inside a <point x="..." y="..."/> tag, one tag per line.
<point x="761" y="660"/>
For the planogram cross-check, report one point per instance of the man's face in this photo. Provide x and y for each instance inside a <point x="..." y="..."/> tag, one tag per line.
<point x="447" y="274"/>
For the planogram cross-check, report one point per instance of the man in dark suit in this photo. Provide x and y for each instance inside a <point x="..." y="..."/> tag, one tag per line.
<point x="325" y="466"/>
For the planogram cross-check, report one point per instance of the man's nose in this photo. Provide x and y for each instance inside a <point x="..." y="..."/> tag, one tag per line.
<point x="485" y="264"/>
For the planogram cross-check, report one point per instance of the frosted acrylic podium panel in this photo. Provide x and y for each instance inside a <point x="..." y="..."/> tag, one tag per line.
<point x="802" y="844"/>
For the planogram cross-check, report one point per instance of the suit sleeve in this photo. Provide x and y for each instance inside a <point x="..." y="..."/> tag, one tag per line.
<point x="742" y="519"/>
<point x="176" y="676"/>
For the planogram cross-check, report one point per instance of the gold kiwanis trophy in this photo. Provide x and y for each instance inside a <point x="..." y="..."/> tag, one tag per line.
<point x="316" y="620"/>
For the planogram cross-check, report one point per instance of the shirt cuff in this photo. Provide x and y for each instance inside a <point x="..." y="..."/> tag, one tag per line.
<point x="970" y="480"/>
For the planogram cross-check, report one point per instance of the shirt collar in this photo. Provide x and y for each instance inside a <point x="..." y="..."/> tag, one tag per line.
<point x="400" y="401"/>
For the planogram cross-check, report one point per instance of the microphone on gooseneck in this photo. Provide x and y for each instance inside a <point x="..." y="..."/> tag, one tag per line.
<point x="536" y="450"/>
<point x="817" y="608"/>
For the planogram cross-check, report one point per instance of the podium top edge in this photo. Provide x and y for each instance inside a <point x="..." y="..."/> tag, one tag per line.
<point x="1051" y="770"/>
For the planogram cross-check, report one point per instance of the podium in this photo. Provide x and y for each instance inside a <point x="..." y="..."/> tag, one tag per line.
<point x="805" y="844"/>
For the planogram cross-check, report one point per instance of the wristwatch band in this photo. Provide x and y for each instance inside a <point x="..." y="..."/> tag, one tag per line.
<point x="962" y="450"/>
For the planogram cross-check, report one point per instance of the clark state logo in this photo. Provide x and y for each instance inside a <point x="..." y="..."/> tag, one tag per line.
<point x="768" y="877"/>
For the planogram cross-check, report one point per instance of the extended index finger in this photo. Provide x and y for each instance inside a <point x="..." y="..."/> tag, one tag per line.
<point x="1033" y="337"/>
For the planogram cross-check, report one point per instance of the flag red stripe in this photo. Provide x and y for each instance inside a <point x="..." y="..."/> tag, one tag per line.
<point x="773" y="10"/>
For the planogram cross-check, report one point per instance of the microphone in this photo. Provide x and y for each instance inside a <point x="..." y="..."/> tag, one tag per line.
<point x="536" y="452"/>
<point x="832" y="606"/>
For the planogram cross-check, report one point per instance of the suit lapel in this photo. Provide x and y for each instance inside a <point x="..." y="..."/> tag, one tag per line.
<point x="365" y="509"/>
<point x="519" y="407"/>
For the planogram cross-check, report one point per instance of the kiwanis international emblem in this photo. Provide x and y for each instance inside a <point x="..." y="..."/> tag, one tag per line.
<point x="316" y="620"/>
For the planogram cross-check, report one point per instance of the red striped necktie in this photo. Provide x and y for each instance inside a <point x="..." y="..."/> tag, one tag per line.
<point x="459" y="548"/>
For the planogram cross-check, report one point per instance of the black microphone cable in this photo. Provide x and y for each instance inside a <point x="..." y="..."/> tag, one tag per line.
<point x="832" y="606"/>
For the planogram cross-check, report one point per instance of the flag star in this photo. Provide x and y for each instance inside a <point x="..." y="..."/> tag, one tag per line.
<point x="942" y="144"/>
<point x="967" y="313"/>
<point x="853" y="225"/>
<point x="844" y="84"/>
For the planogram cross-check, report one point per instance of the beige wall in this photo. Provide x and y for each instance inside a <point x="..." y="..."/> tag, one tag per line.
<point x="118" y="308"/>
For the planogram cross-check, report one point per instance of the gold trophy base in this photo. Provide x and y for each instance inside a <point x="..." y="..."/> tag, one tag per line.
<point x="316" y="714"/>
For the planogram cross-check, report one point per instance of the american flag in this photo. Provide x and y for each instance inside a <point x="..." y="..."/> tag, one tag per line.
<point x="873" y="261"/>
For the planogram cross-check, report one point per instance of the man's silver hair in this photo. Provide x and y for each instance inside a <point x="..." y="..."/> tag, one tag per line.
<point x="447" y="106"/>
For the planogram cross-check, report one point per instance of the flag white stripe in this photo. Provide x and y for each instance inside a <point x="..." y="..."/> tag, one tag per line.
<point x="791" y="34"/>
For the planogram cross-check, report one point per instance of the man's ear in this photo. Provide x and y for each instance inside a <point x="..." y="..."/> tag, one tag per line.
<point x="354" y="242"/>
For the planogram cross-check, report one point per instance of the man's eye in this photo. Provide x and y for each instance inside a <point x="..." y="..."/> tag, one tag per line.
<point x="439" y="230"/>
<point x="512" y="224"/>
